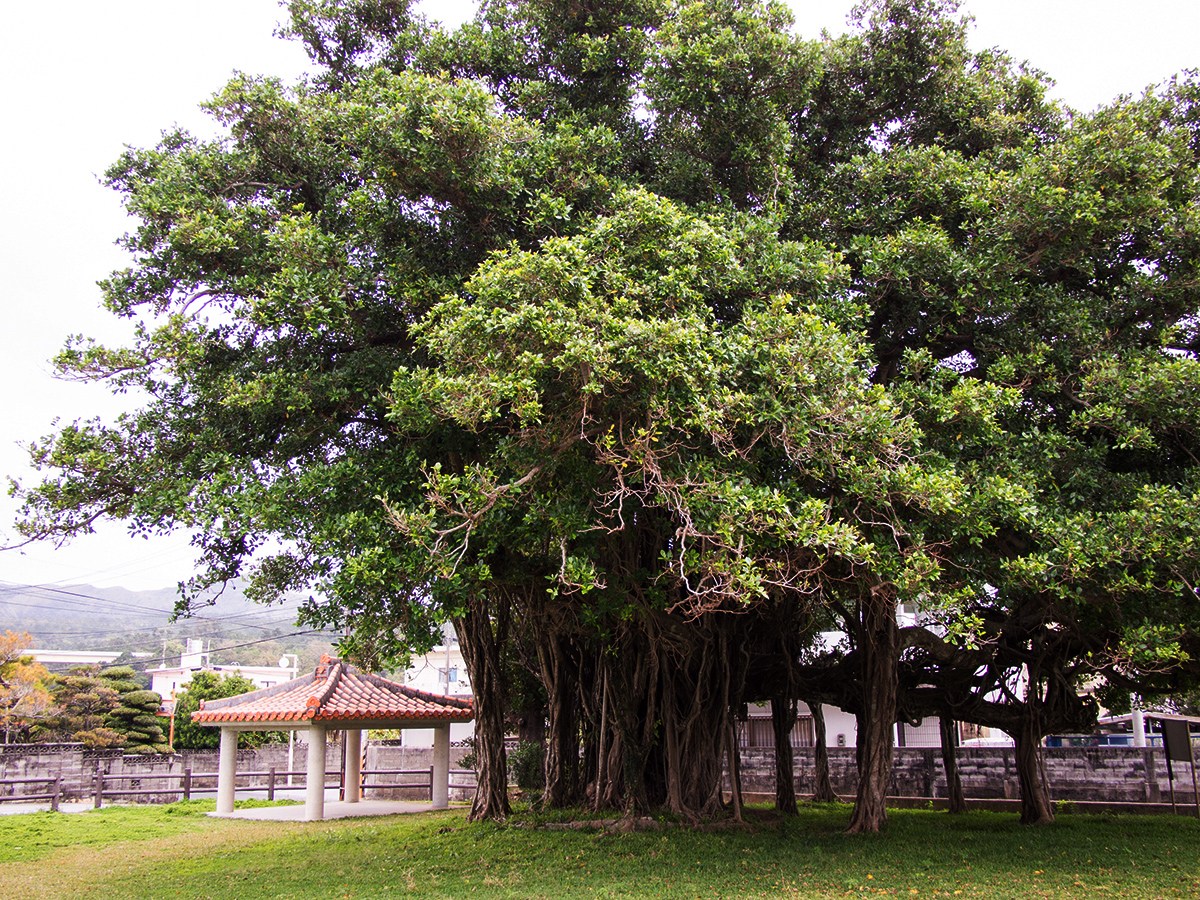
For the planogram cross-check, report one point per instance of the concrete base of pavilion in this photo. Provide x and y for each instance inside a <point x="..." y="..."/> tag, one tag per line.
<point x="338" y="809"/>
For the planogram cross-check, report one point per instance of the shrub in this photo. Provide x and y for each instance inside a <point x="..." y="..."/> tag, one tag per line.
<point x="527" y="765"/>
<point x="469" y="760"/>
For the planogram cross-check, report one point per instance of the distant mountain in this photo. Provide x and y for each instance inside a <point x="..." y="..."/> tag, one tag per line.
<point x="83" y="617"/>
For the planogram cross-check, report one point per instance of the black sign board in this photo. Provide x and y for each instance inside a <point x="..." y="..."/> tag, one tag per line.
<point x="1177" y="743"/>
<point x="1176" y="740"/>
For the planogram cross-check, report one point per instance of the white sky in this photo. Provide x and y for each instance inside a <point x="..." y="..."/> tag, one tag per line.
<point x="83" y="79"/>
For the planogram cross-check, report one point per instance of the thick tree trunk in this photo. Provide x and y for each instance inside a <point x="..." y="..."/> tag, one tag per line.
<point x="531" y="724"/>
<point x="954" y="790"/>
<point x="822" y="786"/>
<point x="1035" y="798"/>
<point x="879" y="646"/>
<point x="783" y="719"/>
<point x="633" y="695"/>
<point x="481" y="653"/>
<point x="589" y="699"/>
<point x="562" y="751"/>
<point x="611" y="788"/>
<point x="735" y="769"/>
<point x="695" y="739"/>
<point x="670" y="692"/>
<point x="602" y="739"/>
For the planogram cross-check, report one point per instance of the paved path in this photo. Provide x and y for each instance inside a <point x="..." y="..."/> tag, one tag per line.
<point x="338" y="809"/>
<point x="334" y="809"/>
<point x="12" y="809"/>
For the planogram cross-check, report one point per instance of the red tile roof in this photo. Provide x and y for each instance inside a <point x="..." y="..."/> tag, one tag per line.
<point x="336" y="692"/>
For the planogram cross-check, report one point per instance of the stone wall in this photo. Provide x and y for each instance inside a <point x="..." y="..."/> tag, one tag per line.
<point x="157" y="779"/>
<point x="1126" y="774"/>
<point x="386" y="757"/>
<point x="62" y="761"/>
<point x="153" y="778"/>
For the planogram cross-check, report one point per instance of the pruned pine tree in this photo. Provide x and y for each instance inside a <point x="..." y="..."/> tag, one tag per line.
<point x="135" y="716"/>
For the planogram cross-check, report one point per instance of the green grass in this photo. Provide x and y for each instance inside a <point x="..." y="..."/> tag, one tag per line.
<point x="31" y="836"/>
<point x="177" y="852"/>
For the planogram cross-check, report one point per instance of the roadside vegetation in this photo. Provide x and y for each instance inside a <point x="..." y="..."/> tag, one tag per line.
<point x="151" y="852"/>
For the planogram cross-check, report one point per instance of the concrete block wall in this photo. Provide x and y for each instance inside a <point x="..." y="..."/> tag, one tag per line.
<point x="1075" y="773"/>
<point x="159" y="775"/>
<point x="63" y="761"/>
<point x="77" y="766"/>
<point x="1116" y="774"/>
<point x="385" y="756"/>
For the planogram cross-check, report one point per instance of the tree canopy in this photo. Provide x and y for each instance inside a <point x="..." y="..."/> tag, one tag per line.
<point x="104" y="708"/>
<point x="212" y="686"/>
<point x="663" y="336"/>
<point x="24" y="696"/>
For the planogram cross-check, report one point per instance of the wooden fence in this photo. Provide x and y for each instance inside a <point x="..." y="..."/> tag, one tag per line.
<point x="182" y="785"/>
<point x="53" y="794"/>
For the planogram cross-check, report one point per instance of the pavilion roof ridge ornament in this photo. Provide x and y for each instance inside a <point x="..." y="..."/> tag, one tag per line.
<point x="333" y="672"/>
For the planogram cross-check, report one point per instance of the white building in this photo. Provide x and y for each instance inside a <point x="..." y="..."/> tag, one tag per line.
<point x="443" y="672"/>
<point x="63" y="658"/>
<point x="169" y="680"/>
<point x="841" y="729"/>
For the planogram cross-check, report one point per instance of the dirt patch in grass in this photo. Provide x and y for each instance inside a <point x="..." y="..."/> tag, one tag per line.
<point x="88" y="871"/>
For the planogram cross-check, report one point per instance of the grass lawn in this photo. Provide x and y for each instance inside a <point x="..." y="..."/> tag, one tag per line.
<point x="176" y="851"/>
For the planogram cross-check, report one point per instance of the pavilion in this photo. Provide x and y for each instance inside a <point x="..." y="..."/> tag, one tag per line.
<point x="335" y="697"/>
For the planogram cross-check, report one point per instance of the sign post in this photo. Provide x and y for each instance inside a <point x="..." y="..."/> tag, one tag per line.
<point x="1177" y="743"/>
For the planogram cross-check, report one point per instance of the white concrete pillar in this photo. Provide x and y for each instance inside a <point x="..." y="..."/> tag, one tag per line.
<point x="353" y="764"/>
<point x="441" y="766"/>
<point x="314" y="787"/>
<point x="226" y="771"/>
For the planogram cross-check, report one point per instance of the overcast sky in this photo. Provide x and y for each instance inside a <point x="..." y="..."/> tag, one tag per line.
<point x="83" y="79"/>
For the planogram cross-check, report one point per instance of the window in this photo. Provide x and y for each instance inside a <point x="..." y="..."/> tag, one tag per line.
<point x="757" y="731"/>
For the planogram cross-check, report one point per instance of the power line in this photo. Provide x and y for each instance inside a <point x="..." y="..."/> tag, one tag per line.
<point x="231" y="622"/>
<point x="227" y="618"/>
<point x="143" y="563"/>
<point x="80" y="602"/>
<point x="261" y="641"/>
<point x="156" y="644"/>
<point x="266" y="626"/>
<point x="76" y="597"/>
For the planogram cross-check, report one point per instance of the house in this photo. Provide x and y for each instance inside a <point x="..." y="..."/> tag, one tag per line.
<point x="441" y="671"/>
<point x="841" y="729"/>
<point x="169" y="680"/>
